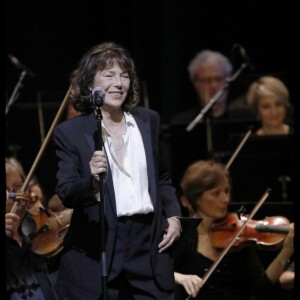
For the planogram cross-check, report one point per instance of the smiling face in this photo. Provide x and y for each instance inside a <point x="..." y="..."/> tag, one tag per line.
<point x="116" y="83"/>
<point x="271" y="111"/>
<point x="269" y="98"/>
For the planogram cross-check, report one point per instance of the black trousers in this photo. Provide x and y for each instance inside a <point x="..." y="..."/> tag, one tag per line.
<point x="131" y="275"/>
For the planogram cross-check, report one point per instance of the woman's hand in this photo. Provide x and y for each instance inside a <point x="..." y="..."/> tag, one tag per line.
<point x="191" y="283"/>
<point x="11" y="224"/>
<point x="288" y="243"/>
<point x="171" y="234"/>
<point x="98" y="165"/>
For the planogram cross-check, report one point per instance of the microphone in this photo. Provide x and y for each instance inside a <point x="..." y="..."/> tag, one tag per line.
<point x="20" y="66"/>
<point x="245" y="57"/>
<point x="98" y="95"/>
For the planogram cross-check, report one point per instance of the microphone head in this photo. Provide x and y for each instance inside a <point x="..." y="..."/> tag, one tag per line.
<point x="245" y="57"/>
<point x="20" y="66"/>
<point x="14" y="60"/>
<point x="98" y="95"/>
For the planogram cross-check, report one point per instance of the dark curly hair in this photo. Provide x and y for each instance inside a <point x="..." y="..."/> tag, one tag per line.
<point x="99" y="58"/>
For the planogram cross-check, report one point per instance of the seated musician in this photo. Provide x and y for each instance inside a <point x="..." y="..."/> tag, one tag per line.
<point x="269" y="99"/>
<point x="26" y="273"/>
<point x="240" y="274"/>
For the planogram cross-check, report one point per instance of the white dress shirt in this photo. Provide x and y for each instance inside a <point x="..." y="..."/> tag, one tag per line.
<point x="130" y="177"/>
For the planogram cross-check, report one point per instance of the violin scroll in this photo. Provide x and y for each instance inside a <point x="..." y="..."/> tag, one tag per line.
<point x="23" y="199"/>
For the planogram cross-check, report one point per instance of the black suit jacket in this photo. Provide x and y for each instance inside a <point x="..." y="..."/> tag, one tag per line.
<point x="75" y="146"/>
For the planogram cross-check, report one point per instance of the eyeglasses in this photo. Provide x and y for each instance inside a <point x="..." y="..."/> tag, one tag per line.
<point x="210" y="80"/>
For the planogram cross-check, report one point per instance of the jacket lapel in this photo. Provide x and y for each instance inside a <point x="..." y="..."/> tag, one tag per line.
<point x="143" y="124"/>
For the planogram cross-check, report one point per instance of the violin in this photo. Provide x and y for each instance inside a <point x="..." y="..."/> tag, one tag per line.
<point x="268" y="233"/>
<point x="53" y="227"/>
<point x="46" y="232"/>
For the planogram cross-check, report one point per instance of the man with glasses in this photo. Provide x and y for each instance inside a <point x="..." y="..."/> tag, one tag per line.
<point x="208" y="72"/>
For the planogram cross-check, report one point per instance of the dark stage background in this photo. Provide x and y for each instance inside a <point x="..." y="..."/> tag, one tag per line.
<point x="49" y="37"/>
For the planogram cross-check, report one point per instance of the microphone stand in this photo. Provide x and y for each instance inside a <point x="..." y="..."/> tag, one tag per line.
<point x="99" y="146"/>
<point x="214" y="99"/>
<point x="15" y="94"/>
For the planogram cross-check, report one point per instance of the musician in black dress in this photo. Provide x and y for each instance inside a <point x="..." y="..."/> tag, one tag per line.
<point x="206" y="194"/>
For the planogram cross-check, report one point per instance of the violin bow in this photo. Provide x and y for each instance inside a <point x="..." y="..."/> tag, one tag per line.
<point x="228" y="247"/>
<point x="238" y="149"/>
<point x="42" y="149"/>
